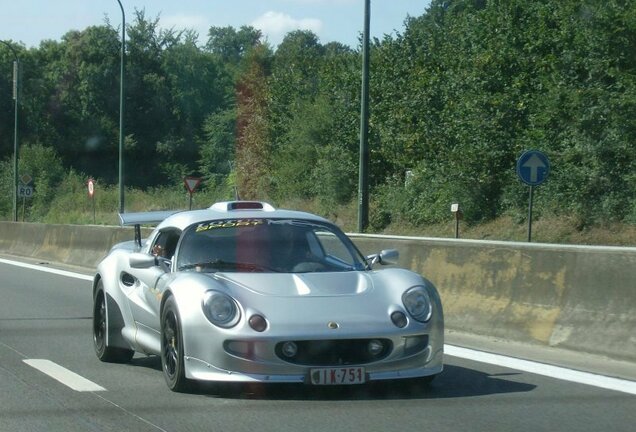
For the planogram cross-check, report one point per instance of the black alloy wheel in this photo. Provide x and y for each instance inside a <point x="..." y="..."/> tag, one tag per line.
<point x="100" y="328"/>
<point x="172" y="348"/>
<point x="99" y="324"/>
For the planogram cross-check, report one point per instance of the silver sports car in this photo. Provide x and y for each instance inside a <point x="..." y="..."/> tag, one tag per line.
<point x="244" y="292"/>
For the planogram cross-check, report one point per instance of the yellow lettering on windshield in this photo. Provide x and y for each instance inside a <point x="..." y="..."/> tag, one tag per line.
<point x="232" y="223"/>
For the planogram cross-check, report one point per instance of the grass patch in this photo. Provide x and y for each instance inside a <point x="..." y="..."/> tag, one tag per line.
<point x="72" y="206"/>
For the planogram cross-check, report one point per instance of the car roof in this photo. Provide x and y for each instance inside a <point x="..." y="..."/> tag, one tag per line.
<point x="219" y="211"/>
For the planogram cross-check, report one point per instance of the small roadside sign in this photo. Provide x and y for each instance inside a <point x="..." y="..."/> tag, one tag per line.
<point x="533" y="167"/>
<point x="25" y="191"/>
<point x="91" y="187"/>
<point x="26" y="179"/>
<point x="191" y="183"/>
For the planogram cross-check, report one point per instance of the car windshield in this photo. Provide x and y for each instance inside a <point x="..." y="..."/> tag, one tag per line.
<point x="267" y="245"/>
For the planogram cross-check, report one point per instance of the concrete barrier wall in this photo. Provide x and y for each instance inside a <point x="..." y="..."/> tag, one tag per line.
<point x="79" y="245"/>
<point x="581" y="298"/>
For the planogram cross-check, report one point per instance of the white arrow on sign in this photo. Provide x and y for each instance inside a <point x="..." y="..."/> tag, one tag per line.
<point x="534" y="163"/>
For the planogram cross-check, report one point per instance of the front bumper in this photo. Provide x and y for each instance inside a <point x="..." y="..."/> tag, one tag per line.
<point x="426" y="362"/>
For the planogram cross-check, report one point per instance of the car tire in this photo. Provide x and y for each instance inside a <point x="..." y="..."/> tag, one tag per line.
<point x="100" y="330"/>
<point x="172" y="348"/>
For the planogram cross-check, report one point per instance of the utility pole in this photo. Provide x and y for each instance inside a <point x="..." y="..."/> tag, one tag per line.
<point x="363" y="179"/>
<point x="16" y="98"/>
<point x="121" y="108"/>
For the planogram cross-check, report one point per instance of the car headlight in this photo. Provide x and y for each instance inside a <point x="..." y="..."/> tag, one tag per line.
<point x="220" y="309"/>
<point x="418" y="303"/>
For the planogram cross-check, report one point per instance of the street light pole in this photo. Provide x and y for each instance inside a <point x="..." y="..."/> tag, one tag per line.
<point x="121" y="108"/>
<point x="363" y="178"/>
<point x="16" y="97"/>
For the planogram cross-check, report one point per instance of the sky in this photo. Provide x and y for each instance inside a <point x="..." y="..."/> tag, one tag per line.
<point x="32" y="21"/>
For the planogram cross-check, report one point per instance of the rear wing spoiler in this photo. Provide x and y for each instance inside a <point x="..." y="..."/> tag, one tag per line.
<point x="144" y="218"/>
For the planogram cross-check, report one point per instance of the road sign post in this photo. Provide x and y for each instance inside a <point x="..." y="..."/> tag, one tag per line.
<point x="191" y="183"/>
<point x="458" y="216"/>
<point x="530" y="204"/>
<point x="24" y="191"/>
<point x="533" y="168"/>
<point x="90" y="184"/>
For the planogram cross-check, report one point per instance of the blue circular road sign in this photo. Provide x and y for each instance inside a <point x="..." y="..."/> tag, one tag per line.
<point x="533" y="167"/>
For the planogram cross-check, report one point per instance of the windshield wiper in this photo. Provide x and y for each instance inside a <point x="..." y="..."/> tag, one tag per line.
<point x="295" y="223"/>
<point x="220" y="265"/>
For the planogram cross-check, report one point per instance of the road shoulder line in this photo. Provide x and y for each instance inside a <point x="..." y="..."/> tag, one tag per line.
<point x="63" y="375"/>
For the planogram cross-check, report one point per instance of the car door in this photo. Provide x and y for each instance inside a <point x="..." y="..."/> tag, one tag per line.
<point x="145" y="297"/>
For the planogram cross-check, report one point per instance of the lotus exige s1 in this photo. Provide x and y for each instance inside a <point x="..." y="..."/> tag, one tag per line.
<point x="243" y="292"/>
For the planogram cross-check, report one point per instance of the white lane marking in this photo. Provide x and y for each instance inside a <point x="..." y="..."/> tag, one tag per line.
<point x="63" y="375"/>
<point x="47" y="269"/>
<point x="556" y="372"/>
<point x="551" y="371"/>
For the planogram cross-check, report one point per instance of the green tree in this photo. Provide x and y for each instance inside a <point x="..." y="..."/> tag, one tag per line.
<point x="6" y="96"/>
<point x="197" y="85"/>
<point x="231" y="46"/>
<point x="486" y="80"/>
<point x="252" y="143"/>
<point x="45" y="167"/>
<point x="149" y="105"/>
<point x="217" y="151"/>
<point x="84" y="94"/>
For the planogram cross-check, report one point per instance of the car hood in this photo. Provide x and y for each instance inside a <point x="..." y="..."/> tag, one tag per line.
<point x="302" y="284"/>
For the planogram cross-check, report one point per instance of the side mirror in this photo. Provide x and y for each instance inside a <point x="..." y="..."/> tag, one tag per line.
<point x="389" y="257"/>
<point x="385" y="257"/>
<point x="140" y="260"/>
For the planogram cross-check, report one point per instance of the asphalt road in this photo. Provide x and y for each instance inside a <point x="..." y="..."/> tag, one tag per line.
<point x="46" y="316"/>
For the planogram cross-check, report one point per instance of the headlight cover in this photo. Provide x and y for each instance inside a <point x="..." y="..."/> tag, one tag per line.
<point x="417" y="302"/>
<point x="220" y="309"/>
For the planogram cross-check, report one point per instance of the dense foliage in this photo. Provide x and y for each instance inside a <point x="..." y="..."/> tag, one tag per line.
<point x="455" y="99"/>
